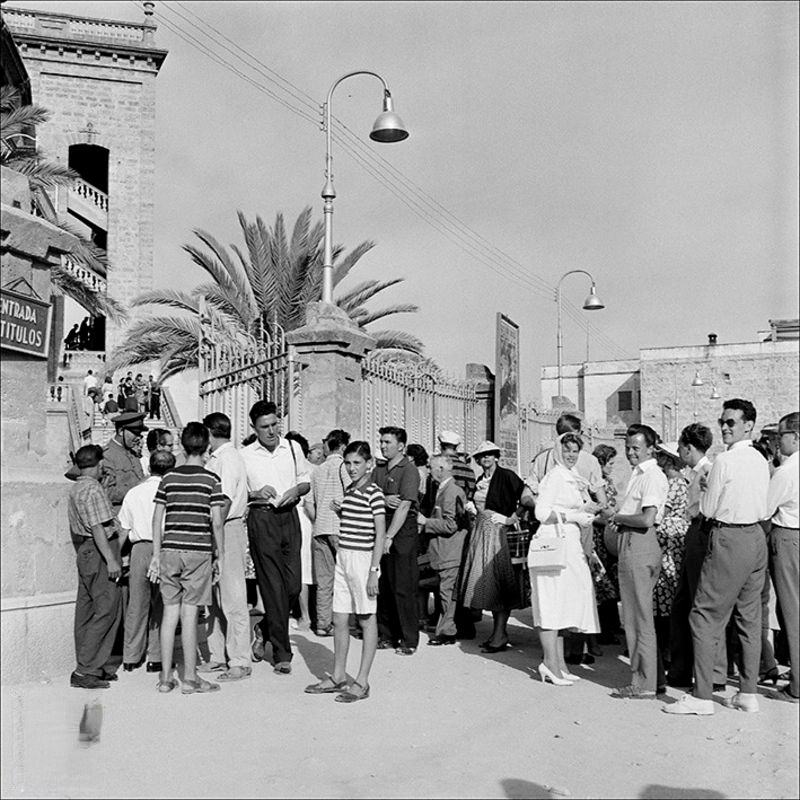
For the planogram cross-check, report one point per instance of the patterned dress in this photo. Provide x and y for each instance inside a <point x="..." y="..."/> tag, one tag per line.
<point x="606" y="583"/>
<point x="671" y="534"/>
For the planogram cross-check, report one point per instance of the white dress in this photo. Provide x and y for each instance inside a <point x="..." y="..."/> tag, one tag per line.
<point x="306" y="530"/>
<point x="563" y="598"/>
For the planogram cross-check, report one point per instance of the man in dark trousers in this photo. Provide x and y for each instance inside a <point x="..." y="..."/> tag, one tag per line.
<point x="398" y="478"/>
<point x="278" y="475"/>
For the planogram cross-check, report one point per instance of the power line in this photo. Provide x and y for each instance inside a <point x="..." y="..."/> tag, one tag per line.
<point x="415" y="198"/>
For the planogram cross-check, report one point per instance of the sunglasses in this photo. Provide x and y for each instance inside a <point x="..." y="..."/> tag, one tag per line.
<point x="731" y="423"/>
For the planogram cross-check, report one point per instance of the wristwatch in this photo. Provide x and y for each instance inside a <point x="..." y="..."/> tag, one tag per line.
<point x="375" y="569"/>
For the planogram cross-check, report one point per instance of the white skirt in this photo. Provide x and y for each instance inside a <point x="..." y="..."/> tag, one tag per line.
<point x="306" y="530"/>
<point x="564" y="598"/>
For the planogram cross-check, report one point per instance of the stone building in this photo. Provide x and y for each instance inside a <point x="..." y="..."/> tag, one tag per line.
<point x="670" y="387"/>
<point x="97" y="78"/>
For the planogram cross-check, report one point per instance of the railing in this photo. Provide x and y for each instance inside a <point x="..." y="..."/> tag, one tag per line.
<point x="91" y="194"/>
<point x="57" y="393"/>
<point x="88" y="278"/>
<point x="423" y="404"/>
<point x="169" y="411"/>
<point x="82" y="360"/>
<point x="77" y="419"/>
<point x="233" y="376"/>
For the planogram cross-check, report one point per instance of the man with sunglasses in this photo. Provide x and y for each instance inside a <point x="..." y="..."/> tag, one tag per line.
<point x="732" y="577"/>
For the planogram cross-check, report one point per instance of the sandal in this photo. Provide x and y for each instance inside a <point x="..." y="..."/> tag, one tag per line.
<point x="199" y="686"/>
<point x="166" y="686"/>
<point x="331" y="688"/>
<point x="350" y="697"/>
<point x="234" y="674"/>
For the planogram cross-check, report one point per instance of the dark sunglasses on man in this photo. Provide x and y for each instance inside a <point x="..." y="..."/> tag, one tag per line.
<point x="731" y="423"/>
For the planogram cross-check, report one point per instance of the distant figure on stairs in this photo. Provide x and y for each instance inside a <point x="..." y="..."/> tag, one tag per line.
<point x="154" y="394"/>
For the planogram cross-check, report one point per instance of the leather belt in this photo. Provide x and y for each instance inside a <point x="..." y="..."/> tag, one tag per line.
<point x="715" y="523"/>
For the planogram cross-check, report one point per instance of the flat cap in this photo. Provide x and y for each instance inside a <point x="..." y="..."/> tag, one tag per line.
<point x="131" y="421"/>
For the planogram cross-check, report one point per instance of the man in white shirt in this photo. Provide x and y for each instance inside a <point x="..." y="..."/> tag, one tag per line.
<point x="694" y="442"/>
<point x="143" y="614"/>
<point x="228" y="623"/>
<point x="783" y="498"/>
<point x="278" y="475"/>
<point x="89" y="382"/>
<point x="640" y="511"/>
<point x="733" y="504"/>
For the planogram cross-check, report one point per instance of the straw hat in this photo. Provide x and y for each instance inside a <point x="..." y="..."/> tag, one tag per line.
<point x="484" y="448"/>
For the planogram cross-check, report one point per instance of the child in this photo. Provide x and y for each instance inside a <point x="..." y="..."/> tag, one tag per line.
<point x="355" y="583"/>
<point x="98" y="608"/>
<point x="189" y="503"/>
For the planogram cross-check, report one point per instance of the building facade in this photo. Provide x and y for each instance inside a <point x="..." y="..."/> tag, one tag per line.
<point x="97" y="78"/>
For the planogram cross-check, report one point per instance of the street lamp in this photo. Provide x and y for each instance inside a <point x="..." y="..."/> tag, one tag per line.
<point x="591" y="303"/>
<point x="388" y="127"/>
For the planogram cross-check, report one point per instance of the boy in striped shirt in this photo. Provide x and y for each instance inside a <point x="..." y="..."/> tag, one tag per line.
<point x="362" y="529"/>
<point x="189" y="506"/>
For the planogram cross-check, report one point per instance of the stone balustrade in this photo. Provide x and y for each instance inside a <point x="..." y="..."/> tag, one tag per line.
<point x="57" y="393"/>
<point x="91" y="194"/>
<point x="90" y="279"/>
<point x="75" y="27"/>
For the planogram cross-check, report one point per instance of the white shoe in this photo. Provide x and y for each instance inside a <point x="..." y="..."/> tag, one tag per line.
<point x="743" y="702"/>
<point x="568" y="676"/>
<point x="689" y="704"/>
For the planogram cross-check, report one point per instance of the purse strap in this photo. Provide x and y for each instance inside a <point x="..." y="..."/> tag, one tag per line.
<point x="560" y="516"/>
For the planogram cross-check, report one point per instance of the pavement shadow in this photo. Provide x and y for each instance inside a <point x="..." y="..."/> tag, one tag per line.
<point x="519" y="789"/>
<point x="317" y="657"/>
<point x="656" y="791"/>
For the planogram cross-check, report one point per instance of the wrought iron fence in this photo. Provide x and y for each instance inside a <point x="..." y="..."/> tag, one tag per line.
<point x="424" y="404"/>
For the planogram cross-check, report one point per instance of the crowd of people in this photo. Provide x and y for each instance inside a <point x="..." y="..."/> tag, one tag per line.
<point x="131" y="394"/>
<point x="90" y="334"/>
<point x="383" y="546"/>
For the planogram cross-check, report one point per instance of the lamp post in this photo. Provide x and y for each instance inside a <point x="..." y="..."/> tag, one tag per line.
<point x="591" y="303"/>
<point x="388" y="127"/>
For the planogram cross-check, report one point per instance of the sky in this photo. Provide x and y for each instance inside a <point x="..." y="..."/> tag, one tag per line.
<point x="654" y="145"/>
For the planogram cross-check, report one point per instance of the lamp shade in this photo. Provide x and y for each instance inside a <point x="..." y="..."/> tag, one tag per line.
<point x="592" y="302"/>
<point x="698" y="381"/>
<point x="714" y="393"/>
<point x="388" y="127"/>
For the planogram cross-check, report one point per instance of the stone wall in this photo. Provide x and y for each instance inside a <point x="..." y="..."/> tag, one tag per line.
<point x="767" y="373"/>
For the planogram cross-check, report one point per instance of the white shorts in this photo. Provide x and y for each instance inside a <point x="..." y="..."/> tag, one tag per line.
<point x="350" y="583"/>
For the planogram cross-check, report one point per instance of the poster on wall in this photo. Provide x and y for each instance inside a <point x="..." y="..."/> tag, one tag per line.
<point x="506" y="392"/>
<point x="24" y="324"/>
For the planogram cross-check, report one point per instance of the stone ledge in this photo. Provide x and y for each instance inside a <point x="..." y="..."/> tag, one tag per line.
<point x="36" y="601"/>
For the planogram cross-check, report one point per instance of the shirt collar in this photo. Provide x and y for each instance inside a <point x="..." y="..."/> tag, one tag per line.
<point x="335" y="457"/>
<point x="790" y="459"/>
<point x="700" y="464"/>
<point x="445" y="481"/>
<point x="221" y="448"/>
<point x="645" y="466"/>
<point x="742" y="443"/>
<point x="282" y="443"/>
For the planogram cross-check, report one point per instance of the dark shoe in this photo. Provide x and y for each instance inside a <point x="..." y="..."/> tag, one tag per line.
<point x="574" y="660"/>
<point x="109" y="676"/>
<point x="438" y="641"/>
<point x="347" y="696"/>
<point x="326" y="686"/>
<point x="719" y="687"/>
<point x="661" y="690"/>
<point x="785" y="695"/>
<point x="499" y="649"/>
<point x="465" y="635"/>
<point x="129" y="666"/>
<point x="403" y="650"/>
<point x="327" y="631"/>
<point x="595" y="650"/>
<point x="79" y="681"/>
<point x="385" y="644"/>
<point x="586" y="659"/>
<point x="680" y="682"/>
<point x="770" y="675"/>
<point x="155" y="666"/>
<point x="282" y="668"/>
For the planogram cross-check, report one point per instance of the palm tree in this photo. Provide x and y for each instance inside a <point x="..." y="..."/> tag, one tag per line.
<point x="269" y="281"/>
<point x="18" y="152"/>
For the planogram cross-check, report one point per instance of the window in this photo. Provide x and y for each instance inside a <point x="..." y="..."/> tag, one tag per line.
<point x="625" y="400"/>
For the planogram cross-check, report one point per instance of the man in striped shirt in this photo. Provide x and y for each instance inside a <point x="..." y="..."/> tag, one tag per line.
<point x="189" y="504"/>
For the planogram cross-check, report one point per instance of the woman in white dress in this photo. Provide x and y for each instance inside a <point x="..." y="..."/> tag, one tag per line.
<point x="563" y="598"/>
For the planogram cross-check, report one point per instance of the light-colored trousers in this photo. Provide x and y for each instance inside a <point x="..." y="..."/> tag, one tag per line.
<point x="786" y="576"/>
<point x="324" y="562"/>
<point x="143" y="613"/>
<point x="228" y="625"/>
<point x="639" y="568"/>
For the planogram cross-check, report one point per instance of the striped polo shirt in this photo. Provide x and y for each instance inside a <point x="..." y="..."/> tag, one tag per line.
<point x="188" y="492"/>
<point x="357" y="522"/>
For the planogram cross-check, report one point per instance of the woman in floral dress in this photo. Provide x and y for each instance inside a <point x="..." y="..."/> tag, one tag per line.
<point x="604" y="567"/>
<point x="671" y="533"/>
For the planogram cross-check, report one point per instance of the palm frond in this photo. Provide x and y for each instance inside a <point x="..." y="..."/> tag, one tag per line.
<point x="41" y="173"/>
<point x="399" y="308"/>
<point x="342" y="269"/>
<point x="167" y="297"/>
<point x="363" y="292"/>
<point x="96" y="303"/>
<point x="16" y="118"/>
<point x="397" y="340"/>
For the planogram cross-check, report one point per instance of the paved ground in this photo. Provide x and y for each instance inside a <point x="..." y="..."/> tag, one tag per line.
<point x="447" y="722"/>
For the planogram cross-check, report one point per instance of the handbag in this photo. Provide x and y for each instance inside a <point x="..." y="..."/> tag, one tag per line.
<point x="548" y="552"/>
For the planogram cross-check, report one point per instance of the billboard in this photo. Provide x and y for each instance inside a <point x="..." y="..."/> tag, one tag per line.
<point x="506" y="392"/>
<point x="24" y="324"/>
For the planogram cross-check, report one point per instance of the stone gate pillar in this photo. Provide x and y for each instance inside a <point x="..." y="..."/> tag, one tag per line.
<point x="329" y="350"/>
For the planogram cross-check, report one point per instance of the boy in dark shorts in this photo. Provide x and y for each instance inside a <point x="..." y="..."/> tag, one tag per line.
<point x="189" y="505"/>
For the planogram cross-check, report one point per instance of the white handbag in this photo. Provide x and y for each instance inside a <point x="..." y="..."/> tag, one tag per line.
<point x="548" y="552"/>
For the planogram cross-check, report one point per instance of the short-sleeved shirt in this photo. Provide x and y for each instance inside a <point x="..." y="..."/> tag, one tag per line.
<point x="402" y="479"/>
<point x="87" y="506"/>
<point x="188" y="493"/>
<point x="136" y="514"/>
<point x="226" y="461"/>
<point x="360" y="507"/>
<point x="648" y="486"/>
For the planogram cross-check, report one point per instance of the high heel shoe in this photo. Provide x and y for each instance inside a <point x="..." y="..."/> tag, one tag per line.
<point x="568" y="676"/>
<point x="770" y="675"/>
<point x="546" y="675"/>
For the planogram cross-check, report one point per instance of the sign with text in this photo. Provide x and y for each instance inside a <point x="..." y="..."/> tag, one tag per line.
<point x="506" y="392"/>
<point x="24" y="324"/>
